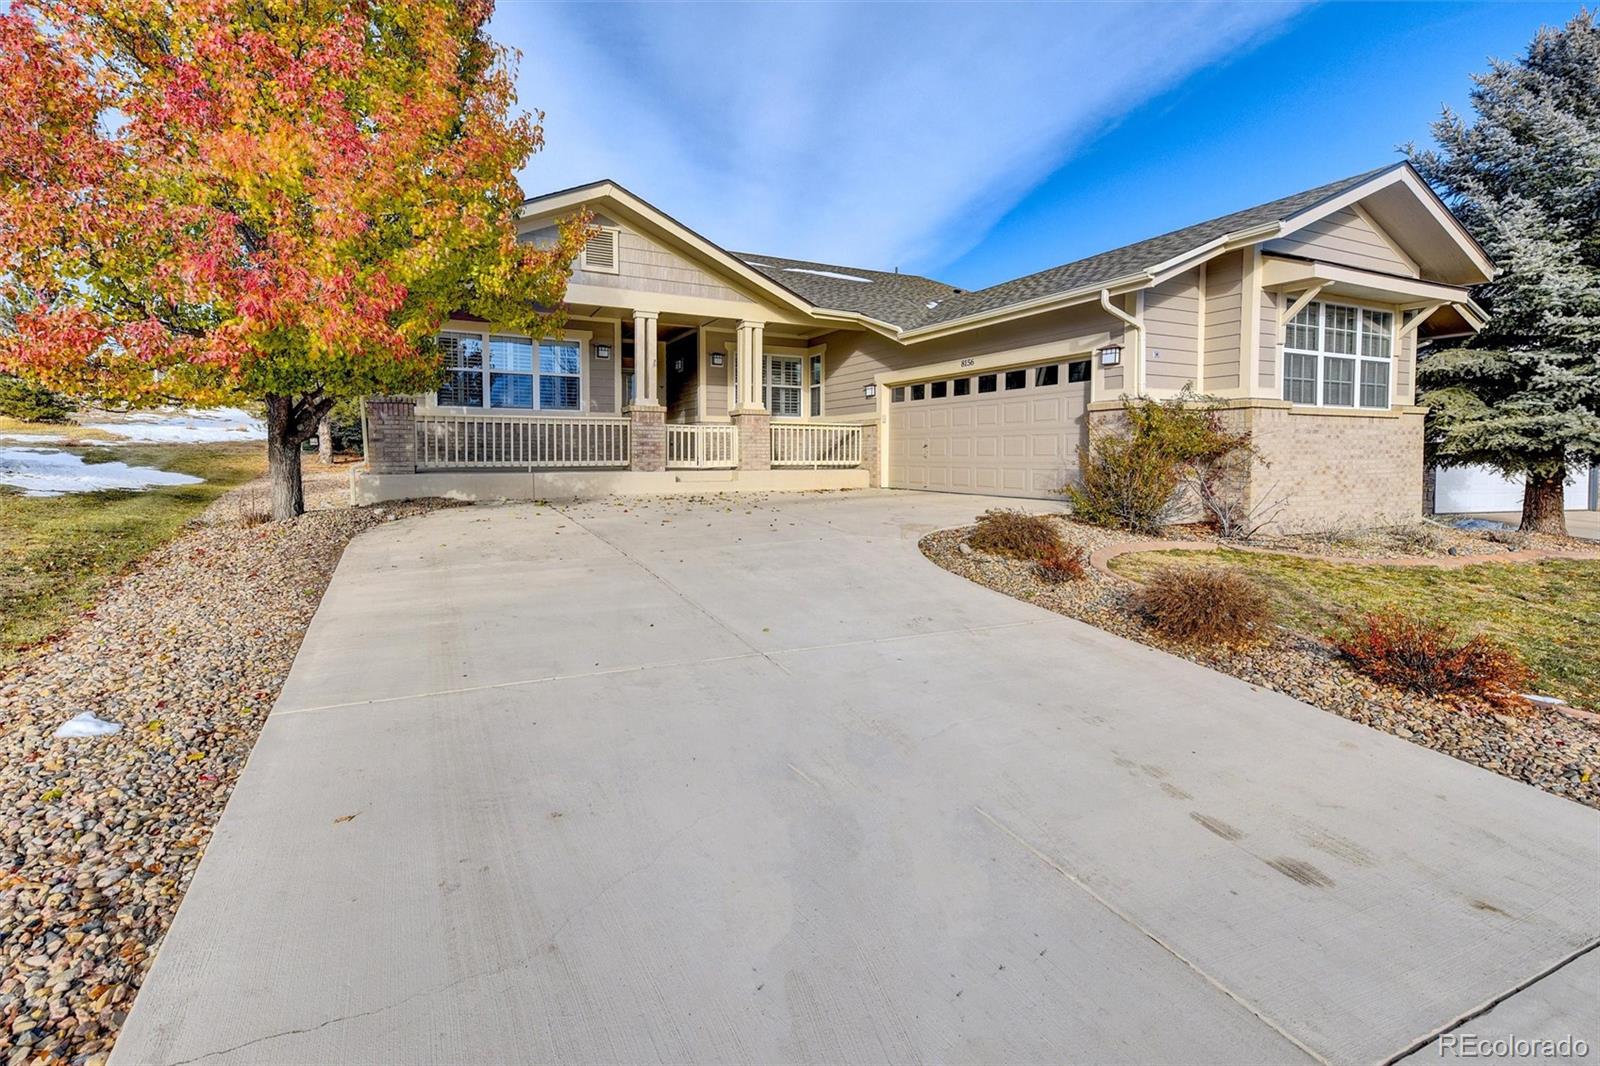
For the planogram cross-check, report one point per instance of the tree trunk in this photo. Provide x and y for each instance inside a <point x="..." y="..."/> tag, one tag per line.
<point x="283" y="459"/>
<point x="324" y="441"/>
<point x="1544" y="503"/>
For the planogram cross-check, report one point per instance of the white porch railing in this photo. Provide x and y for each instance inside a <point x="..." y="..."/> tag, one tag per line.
<point x="709" y="446"/>
<point x="457" y="441"/>
<point x="815" y="444"/>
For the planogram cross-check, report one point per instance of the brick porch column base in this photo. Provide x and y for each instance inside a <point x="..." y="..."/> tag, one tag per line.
<point x="869" y="453"/>
<point x="755" y="438"/>
<point x="391" y="443"/>
<point x="647" y="437"/>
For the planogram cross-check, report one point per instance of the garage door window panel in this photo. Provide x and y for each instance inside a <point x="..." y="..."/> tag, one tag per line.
<point x="1045" y="376"/>
<point x="1078" y="371"/>
<point x="963" y="386"/>
<point x="938" y="390"/>
<point x="1016" y="379"/>
<point x="988" y="382"/>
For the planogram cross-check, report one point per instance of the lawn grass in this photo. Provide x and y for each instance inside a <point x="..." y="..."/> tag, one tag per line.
<point x="58" y="552"/>
<point x="70" y="430"/>
<point x="1549" y="611"/>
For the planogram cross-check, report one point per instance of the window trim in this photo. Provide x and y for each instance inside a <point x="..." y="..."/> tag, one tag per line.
<point x="1321" y="355"/>
<point x="787" y="355"/>
<point x="485" y="333"/>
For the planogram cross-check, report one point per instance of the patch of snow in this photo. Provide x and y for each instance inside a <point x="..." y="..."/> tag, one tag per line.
<point x="85" y="724"/>
<point x="190" y="426"/>
<point x="827" y="274"/>
<point x="47" y="472"/>
<point x="1478" y="523"/>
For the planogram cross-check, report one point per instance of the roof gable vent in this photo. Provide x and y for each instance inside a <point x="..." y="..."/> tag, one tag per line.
<point x="600" y="252"/>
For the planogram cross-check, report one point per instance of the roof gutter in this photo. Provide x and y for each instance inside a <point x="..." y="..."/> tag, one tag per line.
<point x="1029" y="307"/>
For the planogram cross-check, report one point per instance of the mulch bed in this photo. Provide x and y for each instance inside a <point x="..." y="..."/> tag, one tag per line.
<point x="99" y="837"/>
<point x="1544" y="748"/>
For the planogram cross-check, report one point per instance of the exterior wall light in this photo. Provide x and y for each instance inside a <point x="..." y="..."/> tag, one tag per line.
<point x="1111" y="355"/>
<point x="602" y="351"/>
<point x="869" y="390"/>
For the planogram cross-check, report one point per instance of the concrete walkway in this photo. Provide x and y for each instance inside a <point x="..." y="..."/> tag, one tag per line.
<point x="754" y="781"/>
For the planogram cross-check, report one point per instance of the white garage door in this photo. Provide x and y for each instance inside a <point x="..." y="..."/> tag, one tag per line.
<point x="1004" y="433"/>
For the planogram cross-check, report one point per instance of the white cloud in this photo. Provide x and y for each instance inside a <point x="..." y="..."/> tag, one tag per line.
<point x="871" y="135"/>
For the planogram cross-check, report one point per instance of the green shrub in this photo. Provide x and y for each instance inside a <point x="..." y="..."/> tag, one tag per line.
<point x="1015" y="535"/>
<point x="1205" y="605"/>
<point x="28" y="402"/>
<point x="1429" y="657"/>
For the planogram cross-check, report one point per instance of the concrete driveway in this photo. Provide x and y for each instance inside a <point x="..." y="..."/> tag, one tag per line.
<point x="754" y="781"/>
<point x="1582" y="524"/>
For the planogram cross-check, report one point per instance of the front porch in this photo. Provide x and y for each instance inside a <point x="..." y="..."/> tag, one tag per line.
<point x="501" y="455"/>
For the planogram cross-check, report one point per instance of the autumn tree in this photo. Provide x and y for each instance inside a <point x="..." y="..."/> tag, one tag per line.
<point x="209" y="201"/>
<point x="1523" y="396"/>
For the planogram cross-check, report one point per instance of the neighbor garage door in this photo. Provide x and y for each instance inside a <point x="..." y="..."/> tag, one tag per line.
<point x="1005" y="433"/>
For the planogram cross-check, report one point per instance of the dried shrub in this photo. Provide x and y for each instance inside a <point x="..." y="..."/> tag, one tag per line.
<point x="1170" y="457"/>
<point x="1416" y="537"/>
<point x="1428" y="656"/>
<point x="1062" y="565"/>
<point x="1205" y="605"/>
<point x="1511" y="538"/>
<point x="1015" y="535"/>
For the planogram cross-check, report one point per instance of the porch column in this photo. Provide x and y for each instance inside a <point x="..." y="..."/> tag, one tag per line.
<point x="644" y="356"/>
<point x="751" y="336"/>
<point x="646" y="418"/>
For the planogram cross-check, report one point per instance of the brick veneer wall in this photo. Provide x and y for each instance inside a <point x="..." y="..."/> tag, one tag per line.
<point x="755" y="439"/>
<point x="647" y="443"/>
<point x="869" y="452"/>
<point x="1327" y="470"/>
<point x="391" y="443"/>
<point x="1341" y="469"/>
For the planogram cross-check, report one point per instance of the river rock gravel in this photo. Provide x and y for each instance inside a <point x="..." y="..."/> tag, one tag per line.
<point x="99" y="836"/>
<point x="1540" y="746"/>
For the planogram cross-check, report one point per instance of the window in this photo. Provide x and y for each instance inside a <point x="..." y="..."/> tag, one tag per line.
<point x="898" y="395"/>
<point x="918" y="391"/>
<point x="1016" y="379"/>
<point x="816" y="386"/>
<point x="518" y="374"/>
<point x="987" y="382"/>
<point x="1046" y="375"/>
<point x="781" y="390"/>
<point x="938" y="390"/>
<point x="463" y="370"/>
<point x="1338" y="356"/>
<point x="511" y="372"/>
<point x="1078" y="371"/>
<point x="627" y="386"/>
<point x="560" y="375"/>
<point x="963" y="386"/>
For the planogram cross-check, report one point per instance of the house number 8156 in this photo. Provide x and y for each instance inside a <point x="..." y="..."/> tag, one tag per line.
<point x="967" y="362"/>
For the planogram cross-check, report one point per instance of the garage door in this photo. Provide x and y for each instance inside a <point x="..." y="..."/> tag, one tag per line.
<point x="1004" y="433"/>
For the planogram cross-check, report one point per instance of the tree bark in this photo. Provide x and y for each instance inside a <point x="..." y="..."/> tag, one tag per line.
<point x="1544" y="503"/>
<point x="283" y="460"/>
<point x="291" y="421"/>
<point x="324" y="441"/>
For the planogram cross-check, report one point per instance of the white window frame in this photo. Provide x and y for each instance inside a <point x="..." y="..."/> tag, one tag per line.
<point x="1321" y="356"/>
<point x="797" y="356"/>
<point x="484" y="335"/>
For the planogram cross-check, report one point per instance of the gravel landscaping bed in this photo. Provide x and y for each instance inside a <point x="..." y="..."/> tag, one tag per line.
<point x="99" y="837"/>
<point x="1544" y="748"/>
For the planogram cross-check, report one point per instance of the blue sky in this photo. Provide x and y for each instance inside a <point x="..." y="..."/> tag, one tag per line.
<point x="976" y="143"/>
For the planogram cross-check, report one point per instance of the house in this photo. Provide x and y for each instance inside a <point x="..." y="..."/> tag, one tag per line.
<point x="688" y="367"/>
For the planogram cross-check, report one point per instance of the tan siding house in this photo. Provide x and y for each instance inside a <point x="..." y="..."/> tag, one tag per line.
<point x="687" y="367"/>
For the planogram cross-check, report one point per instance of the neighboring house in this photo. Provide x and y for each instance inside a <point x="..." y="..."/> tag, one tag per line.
<point x="1475" y="489"/>
<point x="687" y="367"/>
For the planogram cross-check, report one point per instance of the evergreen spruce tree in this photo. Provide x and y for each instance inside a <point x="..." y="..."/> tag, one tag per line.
<point x="1523" y="396"/>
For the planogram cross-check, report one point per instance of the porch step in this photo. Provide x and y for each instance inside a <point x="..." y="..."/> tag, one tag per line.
<point x="702" y="476"/>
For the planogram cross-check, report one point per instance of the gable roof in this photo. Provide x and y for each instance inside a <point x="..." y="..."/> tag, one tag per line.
<point x="887" y="296"/>
<point x="907" y="305"/>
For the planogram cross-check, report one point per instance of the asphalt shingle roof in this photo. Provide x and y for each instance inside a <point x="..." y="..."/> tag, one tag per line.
<point x="903" y="299"/>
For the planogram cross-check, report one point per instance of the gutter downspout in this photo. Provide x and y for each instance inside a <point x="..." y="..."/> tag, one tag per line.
<point x="1137" y="326"/>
